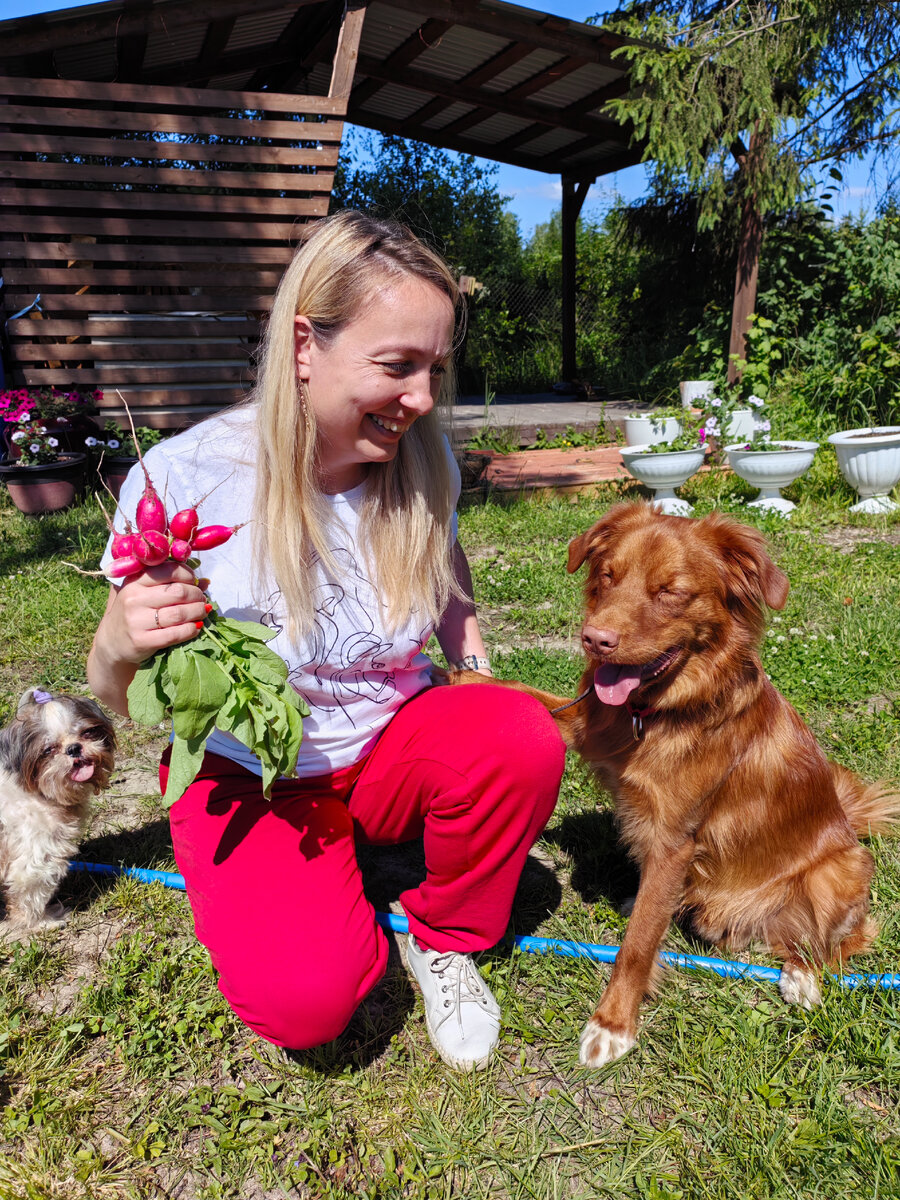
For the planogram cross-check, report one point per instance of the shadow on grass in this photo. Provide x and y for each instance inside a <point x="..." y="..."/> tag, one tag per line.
<point x="601" y="867"/>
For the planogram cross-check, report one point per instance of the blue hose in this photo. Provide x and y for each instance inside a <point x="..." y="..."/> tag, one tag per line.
<point x="539" y="945"/>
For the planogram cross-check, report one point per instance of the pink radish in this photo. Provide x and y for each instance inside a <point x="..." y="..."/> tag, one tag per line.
<point x="122" y="545"/>
<point x="184" y="524"/>
<point x="211" y="536"/>
<point x="151" y="548"/>
<point x="150" y="515"/>
<point x="124" y="566"/>
<point x="180" y="549"/>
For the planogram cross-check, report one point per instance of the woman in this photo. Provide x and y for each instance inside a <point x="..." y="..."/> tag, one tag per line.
<point x="339" y="464"/>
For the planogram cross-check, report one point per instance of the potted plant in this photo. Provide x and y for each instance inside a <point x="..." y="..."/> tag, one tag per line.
<point x="114" y="454"/>
<point x="67" y="415"/>
<point x="869" y="460"/>
<point x="768" y="463"/>
<point x="664" y="466"/>
<point x="44" y="477"/>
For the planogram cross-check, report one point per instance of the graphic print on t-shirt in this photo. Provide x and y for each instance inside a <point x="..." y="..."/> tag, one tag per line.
<point x="344" y="654"/>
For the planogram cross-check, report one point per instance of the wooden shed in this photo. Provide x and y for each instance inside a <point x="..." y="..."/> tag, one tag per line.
<point x="159" y="163"/>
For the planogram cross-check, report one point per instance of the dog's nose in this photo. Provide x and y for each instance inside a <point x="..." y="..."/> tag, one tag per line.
<point x="74" y="751"/>
<point x="599" y="642"/>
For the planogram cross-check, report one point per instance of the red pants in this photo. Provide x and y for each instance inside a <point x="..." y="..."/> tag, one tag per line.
<point x="275" y="888"/>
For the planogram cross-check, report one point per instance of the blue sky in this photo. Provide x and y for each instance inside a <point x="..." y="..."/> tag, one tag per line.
<point x="533" y="195"/>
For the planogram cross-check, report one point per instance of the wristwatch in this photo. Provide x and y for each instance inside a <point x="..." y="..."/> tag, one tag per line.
<point x="472" y="662"/>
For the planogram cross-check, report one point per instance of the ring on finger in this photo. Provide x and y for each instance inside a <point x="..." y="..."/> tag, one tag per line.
<point x="156" y="618"/>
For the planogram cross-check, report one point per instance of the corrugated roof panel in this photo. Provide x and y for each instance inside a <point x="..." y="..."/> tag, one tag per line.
<point x="459" y="52"/>
<point x="575" y="86"/>
<point x="551" y="141"/>
<point x="94" y="61"/>
<point x="258" y="29"/>
<point x="385" y="28"/>
<point x="394" y="102"/>
<point x="451" y="113"/>
<point x="236" y="82"/>
<point x="495" y="128"/>
<point x="537" y="61"/>
<point x="166" y="49"/>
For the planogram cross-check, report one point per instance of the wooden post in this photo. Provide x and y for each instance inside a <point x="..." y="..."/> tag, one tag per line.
<point x="574" y="193"/>
<point x="347" y="50"/>
<point x="747" y="273"/>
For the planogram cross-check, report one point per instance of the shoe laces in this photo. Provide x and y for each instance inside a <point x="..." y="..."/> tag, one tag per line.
<point x="460" y="984"/>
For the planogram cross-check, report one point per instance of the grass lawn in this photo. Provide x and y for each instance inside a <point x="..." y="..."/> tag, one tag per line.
<point x="123" y="1073"/>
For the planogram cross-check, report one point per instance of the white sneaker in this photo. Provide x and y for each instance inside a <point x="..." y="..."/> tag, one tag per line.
<point x="462" y="1016"/>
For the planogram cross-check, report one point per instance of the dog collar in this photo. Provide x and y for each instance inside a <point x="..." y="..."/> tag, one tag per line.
<point x="637" y="719"/>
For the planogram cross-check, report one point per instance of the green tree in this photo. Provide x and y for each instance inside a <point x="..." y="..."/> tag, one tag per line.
<point x="739" y="103"/>
<point x="449" y="200"/>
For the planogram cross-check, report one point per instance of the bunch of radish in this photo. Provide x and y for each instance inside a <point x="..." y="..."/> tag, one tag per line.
<point x="158" y="537"/>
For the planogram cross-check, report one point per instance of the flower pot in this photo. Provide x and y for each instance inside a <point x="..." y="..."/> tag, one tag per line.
<point x="869" y="460"/>
<point x="663" y="472"/>
<point x="692" y="390"/>
<point x="649" y="430"/>
<point x="47" y="487"/>
<point x="771" y="469"/>
<point x="114" y="470"/>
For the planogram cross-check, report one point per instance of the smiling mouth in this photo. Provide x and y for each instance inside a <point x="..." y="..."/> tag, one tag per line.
<point x="389" y="426"/>
<point x="614" y="682"/>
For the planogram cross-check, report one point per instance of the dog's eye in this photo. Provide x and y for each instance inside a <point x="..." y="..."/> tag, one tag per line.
<point x="96" y="733"/>
<point x="47" y="751"/>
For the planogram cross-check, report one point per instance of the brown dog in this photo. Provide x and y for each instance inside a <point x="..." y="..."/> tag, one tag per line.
<point x="735" y="817"/>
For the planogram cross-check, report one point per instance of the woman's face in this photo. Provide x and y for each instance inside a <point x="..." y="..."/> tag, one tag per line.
<point x="379" y="374"/>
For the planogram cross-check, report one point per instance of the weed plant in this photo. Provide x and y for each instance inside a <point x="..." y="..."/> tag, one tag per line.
<point x="124" y="1074"/>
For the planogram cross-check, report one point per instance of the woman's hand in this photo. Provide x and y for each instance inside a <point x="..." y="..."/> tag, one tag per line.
<point x="161" y="607"/>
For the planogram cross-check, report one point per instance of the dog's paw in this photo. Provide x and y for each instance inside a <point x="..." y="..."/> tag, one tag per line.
<point x="799" y="985"/>
<point x="600" y="1045"/>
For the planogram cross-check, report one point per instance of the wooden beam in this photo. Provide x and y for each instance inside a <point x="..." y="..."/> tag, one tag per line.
<point x="490" y="102"/>
<point x="347" y="52"/>
<point x="488" y="70"/>
<point x="425" y="37"/>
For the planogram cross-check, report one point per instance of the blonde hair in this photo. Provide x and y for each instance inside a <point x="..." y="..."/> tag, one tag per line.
<point x="404" y="521"/>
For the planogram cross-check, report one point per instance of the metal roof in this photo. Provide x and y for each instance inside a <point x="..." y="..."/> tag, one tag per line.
<point x="478" y="76"/>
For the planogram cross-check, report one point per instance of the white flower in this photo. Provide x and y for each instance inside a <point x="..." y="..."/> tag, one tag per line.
<point x="113" y="444"/>
<point x="712" y="424"/>
<point x="764" y="426"/>
<point x="42" y="428"/>
<point x="25" y="418"/>
<point x="715" y="403"/>
<point x="52" y="442"/>
<point x="17" y="436"/>
<point x="90" y="442"/>
<point x="756" y="401"/>
<point x="35" y="448"/>
<point x="795" y="631"/>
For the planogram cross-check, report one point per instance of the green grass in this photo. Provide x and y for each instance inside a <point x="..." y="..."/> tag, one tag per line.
<point x="123" y="1073"/>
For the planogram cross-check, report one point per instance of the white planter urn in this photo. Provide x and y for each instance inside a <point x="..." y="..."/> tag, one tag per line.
<point x="650" y="429"/>
<point x="663" y="472"/>
<point x="869" y="460"/>
<point x="772" y="469"/>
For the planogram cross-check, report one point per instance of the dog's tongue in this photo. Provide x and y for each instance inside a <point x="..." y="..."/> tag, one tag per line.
<point x="83" y="773"/>
<point x="614" y="682"/>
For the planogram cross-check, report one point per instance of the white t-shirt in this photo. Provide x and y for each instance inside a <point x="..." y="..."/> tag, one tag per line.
<point x="353" y="673"/>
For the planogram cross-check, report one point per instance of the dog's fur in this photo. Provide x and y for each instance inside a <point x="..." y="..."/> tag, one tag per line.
<point x="735" y="817"/>
<point x="55" y="755"/>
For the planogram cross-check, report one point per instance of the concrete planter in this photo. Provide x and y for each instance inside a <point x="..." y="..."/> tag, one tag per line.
<point x="771" y="469"/>
<point x="663" y="473"/>
<point x="869" y="460"/>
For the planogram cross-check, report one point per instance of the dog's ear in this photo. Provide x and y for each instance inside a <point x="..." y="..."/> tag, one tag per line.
<point x="600" y="537"/>
<point x="750" y="575"/>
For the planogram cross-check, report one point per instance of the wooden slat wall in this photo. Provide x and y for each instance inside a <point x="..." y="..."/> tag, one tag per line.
<point x="154" y="223"/>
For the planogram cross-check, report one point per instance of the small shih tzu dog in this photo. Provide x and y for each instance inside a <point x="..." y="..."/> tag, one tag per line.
<point x="55" y="754"/>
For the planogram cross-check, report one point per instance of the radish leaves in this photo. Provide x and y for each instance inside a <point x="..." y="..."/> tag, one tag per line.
<point x="226" y="677"/>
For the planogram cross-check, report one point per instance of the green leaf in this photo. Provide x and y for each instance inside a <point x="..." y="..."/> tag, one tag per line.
<point x="228" y="626"/>
<point x="203" y="691"/>
<point x="148" y="703"/>
<point x="187" y="757"/>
